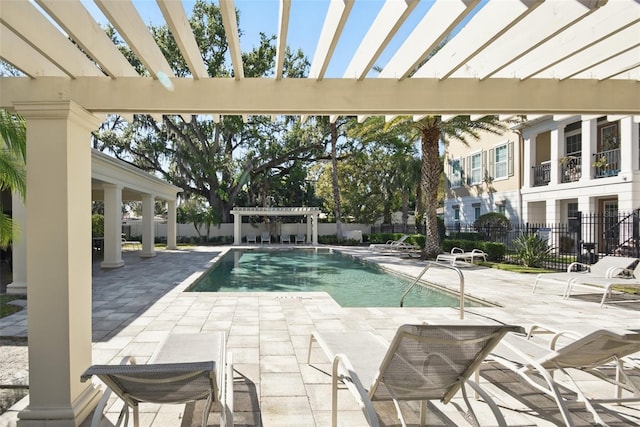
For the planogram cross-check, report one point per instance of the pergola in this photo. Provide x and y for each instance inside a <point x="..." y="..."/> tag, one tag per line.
<point x="512" y="57"/>
<point x="310" y="213"/>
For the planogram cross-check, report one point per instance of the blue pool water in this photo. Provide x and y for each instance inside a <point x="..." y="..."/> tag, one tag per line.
<point x="350" y="282"/>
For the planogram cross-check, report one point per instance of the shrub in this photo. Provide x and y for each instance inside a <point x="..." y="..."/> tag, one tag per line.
<point x="97" y="225"/>
<point x="531" y="250"/>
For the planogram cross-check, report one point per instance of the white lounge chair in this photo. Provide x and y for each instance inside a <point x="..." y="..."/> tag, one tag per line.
<point x="185" y="368"/>
<point x="300" y="238"/>
<point x="285" y="238"/>
<point x="396" y="247"/>
<point x="135" y="244"/>
<point x="265" y="237"/>
<point x="536" y="363"/>
<point x="458" y="254"/>
<point x="251" y="238"/>
<point x="604" y="283"/>
<point x="423" y="362"/>
<point x="607" y="267"/>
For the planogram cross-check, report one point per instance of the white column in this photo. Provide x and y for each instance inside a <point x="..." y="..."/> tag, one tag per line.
<point x="148" y="229"/>
<point x="58" y="263"/>
<point x="171" y="224"/>
<point x="237" y="228"/>
<point x="315" y="228"/>
<point x="589" y="143"/>
<point x="309" y="232"/>
<point x="529" y="160"/>
<point x="629" y="198"/>
<point x="557" y="146"/>
<point x="112" y="226"/>
<point x="19" y="246"/>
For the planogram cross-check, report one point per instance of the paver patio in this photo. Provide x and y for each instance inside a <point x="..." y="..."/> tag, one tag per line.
<point x="134" y="307"/>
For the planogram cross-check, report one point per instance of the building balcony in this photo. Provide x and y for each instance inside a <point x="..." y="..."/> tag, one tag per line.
<point x="542" y="174"/>
<point x="606" y="163"/>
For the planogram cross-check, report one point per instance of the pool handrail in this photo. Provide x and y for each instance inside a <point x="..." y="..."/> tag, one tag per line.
<point x="435" y="264"/>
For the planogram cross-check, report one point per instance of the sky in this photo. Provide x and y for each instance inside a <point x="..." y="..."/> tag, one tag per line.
<point x="305" y="25"/>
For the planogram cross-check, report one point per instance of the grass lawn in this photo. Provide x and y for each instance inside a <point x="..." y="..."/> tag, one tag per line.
<point x="8" y="309"/>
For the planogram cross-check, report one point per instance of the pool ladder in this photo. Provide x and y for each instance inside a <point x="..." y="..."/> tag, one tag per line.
<point x="435" y="264"/>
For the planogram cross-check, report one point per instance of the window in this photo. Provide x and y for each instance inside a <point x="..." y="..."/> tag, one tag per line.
<point x="456" y="213"/>
<point x="455" y="175"/>
<point x="476" y="169"/>
<point x="476" y="212"/>
<point x="572" y="210"/>
<point x="501" y="162"/>
<point x="502" y="209"/>
<point x="573" y="144"/>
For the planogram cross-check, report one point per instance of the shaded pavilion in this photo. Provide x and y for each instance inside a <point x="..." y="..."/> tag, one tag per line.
<point x="511" y="58"/>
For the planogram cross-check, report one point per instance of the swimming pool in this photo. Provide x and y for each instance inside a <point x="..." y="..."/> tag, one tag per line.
<point x="352" y="283"/>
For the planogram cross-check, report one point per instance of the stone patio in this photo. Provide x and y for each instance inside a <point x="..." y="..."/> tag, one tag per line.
<point x="134" y="307"/>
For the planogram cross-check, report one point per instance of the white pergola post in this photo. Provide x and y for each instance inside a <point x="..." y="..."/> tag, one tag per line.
<point x="58" y="263"/>
<point x="112" y="226"/>
<point x="557" y="150"/>
<point x="237" y="228"/>
<point x="19" y="247"/>
<point x="310" y="228"/>
<point x="148" y="229"/>
<point x="530" y="160"/>
<point x="171" y="225"/>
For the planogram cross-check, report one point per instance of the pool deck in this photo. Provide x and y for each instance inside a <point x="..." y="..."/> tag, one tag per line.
<point x="134" y="307"/>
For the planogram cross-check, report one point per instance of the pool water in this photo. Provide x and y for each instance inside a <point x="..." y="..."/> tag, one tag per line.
<point x="350" y="282"/>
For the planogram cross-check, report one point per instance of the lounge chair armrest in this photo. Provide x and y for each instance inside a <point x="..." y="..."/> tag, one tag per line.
<point x="577" y="264"/>
<point x="492" y="404"/>
<point x="343" y="370"/>
<point x="456" y="250"/>
<point x="615" y="271"/>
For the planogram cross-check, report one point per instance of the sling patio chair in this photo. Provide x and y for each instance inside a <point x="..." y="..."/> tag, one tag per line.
<point x="300" y="238"/>
<point x="609" y="266"/>
<point x="604" y="283"/>
<point x="592" y="353"/>
<point x="184" y="368"/>
<point x="285" y="238"/>
<point x="265" y="237"/>
<point x="423" y="362"/>
<point x="251" y="238"/>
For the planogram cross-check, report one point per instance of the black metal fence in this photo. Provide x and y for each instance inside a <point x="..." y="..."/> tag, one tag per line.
<point x="585" y="237"/>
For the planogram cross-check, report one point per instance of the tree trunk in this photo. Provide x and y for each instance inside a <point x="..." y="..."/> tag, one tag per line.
<point x="334" y="180"/>
<point x="430" y="181"/>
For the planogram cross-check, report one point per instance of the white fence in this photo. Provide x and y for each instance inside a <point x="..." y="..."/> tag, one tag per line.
<point x="134" y="228"/>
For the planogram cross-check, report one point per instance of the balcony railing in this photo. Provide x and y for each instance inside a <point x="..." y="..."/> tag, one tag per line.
<point x="571" y="169"/>
<point x="606" y="163"/>
<point x="542" y="174"/>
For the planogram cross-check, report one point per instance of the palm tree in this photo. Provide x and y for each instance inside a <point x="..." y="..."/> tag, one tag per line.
<point x="430" y="131"/>
<point x="13" y="146"/>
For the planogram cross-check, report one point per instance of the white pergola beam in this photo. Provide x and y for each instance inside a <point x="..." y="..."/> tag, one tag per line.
<point x="331" y="96"/>
<point x="178" y="23"/>
<point x="447" y="117"/>
<point x="331" y="30"/>
<point x="22" y="17"/>
<point x="595" y="27"/>
<point x="24" y="57"/>
<point x="434" y="27"/>
<point x="283" y="29"/>
<point x="228" y="12"/>
<point x="126" y="19"/>
<point x="611" y="66"/>
<point x="389" y="19"/>
<point x="543" y="23"/>
<point x="72" y="16"/>
<point x="493" y="20"/>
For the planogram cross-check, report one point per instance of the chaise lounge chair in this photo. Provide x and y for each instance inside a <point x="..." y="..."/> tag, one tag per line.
<point x="586" y="281"/>
<point x="265" y="237"/>
<point x="423" y="362"/>
<point x="185" y="368"/>
<point x="590" y="353"/>
<point x="251" y="238"/>
<point x="285" y="238"/>
<point x="607" y="267"/>
<point x="458" y="254"/>
<point x="396" y="247"/>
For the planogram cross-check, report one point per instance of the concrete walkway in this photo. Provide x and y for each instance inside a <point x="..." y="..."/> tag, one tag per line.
<point x="134" y="307"/>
